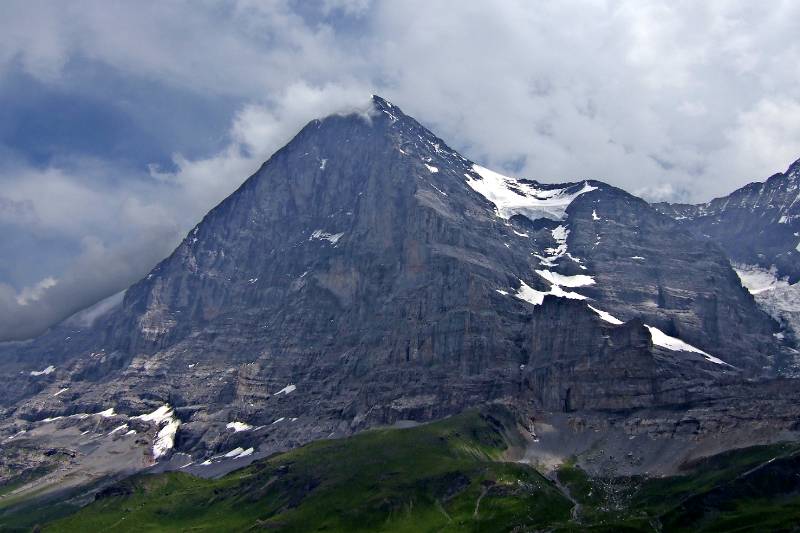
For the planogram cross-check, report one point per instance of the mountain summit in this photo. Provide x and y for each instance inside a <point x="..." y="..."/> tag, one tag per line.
<point x="368" y="274"/>
<point x="758" y="224"/>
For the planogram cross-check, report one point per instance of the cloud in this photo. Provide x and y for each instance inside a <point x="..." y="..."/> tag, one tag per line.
<point x="630" y="92"/>
<point x="677" y="101"/>
<point x="643" y="95"/>
<point x="350" y="7"/>
<point x="98" y="271"/>
<point x="761" y="135"/>
<point x="112" y="235"/>
<point x="34" y="293"/>
<point x="125" y="227"/>
<point x="257" y="131"/>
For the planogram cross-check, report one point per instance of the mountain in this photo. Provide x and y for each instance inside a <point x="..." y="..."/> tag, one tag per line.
<point x="368" y="275"/>
<point x="758" y="224"/>
<point x="758" y="227"/>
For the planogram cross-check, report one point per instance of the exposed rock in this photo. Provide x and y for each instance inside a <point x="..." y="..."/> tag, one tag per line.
<point x="346" y="285"/>
<point x="758" y="224"/>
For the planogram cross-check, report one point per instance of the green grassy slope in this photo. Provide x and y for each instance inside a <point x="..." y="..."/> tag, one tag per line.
<point x="451" y="476"/>
<point x="445" y="476"/>
<point x="752" y="489"/>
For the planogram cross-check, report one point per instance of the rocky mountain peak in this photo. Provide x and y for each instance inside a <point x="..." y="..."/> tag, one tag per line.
<point x="369" y="273"/>
<point x="382" y="105"/>
<point x="794" y="169"/>
<point x="757" y="225"/>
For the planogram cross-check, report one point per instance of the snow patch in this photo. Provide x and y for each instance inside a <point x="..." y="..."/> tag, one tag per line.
<point x="672" y="343"/>
<point x="560" y="235"/>
<point x="165" y="439"/>
<point x="757" y="280"/>
<point x="512" y="197"/>
<point x="529" y="294"/>
<point x="119" y="428"/>
<point x="536" y="297"/>
<point x="286" y="390"/>
<point x="580" y="280"/>
<point x="431" y="168"/>
<point x="557" y="291"/>
<point x="159" y="415"/>
<point x="238" y="426"/>
<point x="594" y="215"/>
<point x="608" y="317"/>
<point x="775" y="296"/>
<point x="61" y="391"/>
<point x="440" y="191"/>
<point x="234" y="452"/>
<point x="49" y="370"/>
<point x="17" y="434"/>
<point x="320" y="235"/>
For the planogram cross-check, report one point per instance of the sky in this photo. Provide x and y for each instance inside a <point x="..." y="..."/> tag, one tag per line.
<point x="123" y="123"/>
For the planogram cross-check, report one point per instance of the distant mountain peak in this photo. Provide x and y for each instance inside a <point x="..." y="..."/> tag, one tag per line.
<point x="794" y="168"/>
<point x="757" y="224"/>
<point x="382" y="104"/>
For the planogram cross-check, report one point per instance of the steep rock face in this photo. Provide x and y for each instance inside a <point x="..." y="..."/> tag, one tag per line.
<point x="758" y="227"/>
<point x="647" y="267"/>
<point x="368" y="274"/>
<point x="758" y="224"/>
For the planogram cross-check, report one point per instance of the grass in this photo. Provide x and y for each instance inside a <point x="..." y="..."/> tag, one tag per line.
<point x="23" y="478"/>
<point x="444" y="476"/>
<point x="753" y="489"/>
<point x="450" y="476"/>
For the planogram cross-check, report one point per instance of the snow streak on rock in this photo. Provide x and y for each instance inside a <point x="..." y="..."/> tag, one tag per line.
<point x="164" y="416"/>
<point x="44" y="372"/>
<point x="672" y="343"/>
<point x="238" y="426"/>
<point x="608" y="317"/>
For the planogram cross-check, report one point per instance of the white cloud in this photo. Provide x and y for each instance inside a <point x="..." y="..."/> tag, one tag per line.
<point x="99" y="271"/>
<point x="257" y="131"/>
<point x="34" y="293"/>
<point x="763" y="139"/>
<point x="123" y="228"/>
<point x="640" y="94"/>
